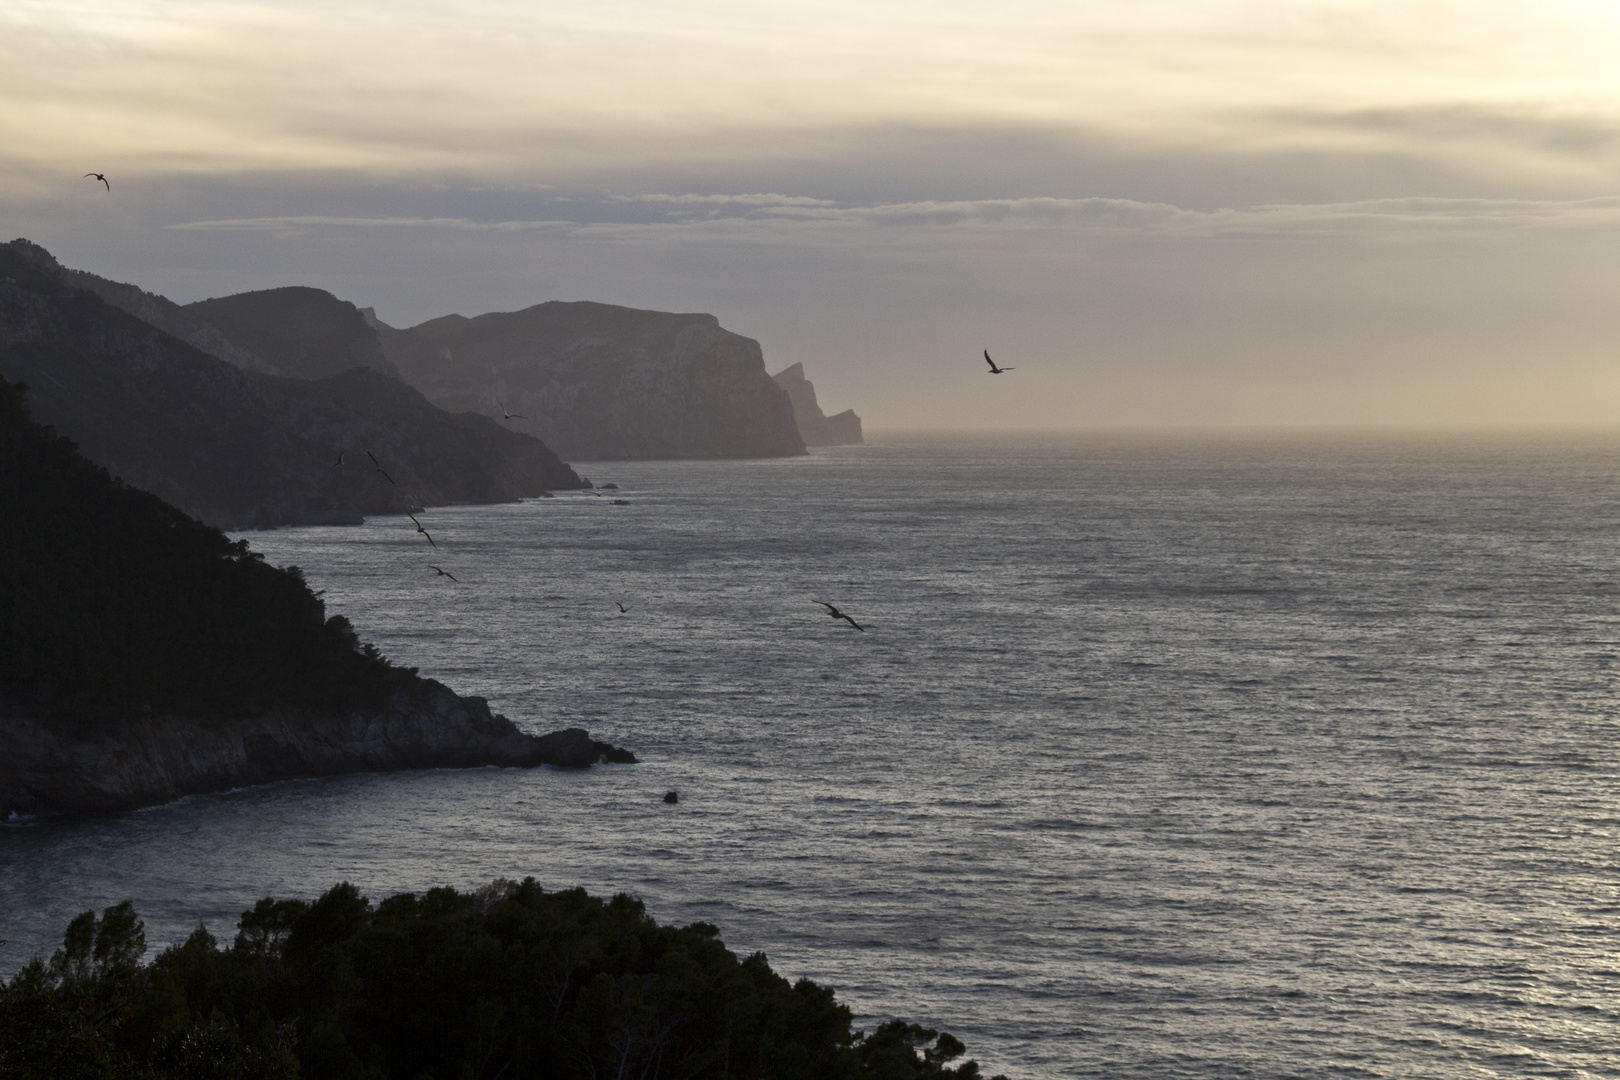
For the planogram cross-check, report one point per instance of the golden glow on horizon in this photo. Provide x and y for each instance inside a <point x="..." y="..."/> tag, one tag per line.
<point x="494" y="86"/>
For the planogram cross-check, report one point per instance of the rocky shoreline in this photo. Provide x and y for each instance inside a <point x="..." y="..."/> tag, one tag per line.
<point x="145" y="762"/>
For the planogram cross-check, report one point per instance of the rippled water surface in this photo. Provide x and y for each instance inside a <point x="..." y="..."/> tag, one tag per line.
<point x="1161" y="756"/>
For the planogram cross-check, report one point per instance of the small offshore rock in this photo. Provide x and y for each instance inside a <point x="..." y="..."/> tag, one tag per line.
<point x="610" y="487"/>
<point x="621" y="502"/>
<point x="671" y="797"/>
<point x="573" y="748"/>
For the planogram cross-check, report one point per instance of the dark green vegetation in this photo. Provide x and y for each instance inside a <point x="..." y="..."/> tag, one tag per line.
<point x="113" y="603"/>
<point x="242" y="448"/>
<point x="508" y="981"/>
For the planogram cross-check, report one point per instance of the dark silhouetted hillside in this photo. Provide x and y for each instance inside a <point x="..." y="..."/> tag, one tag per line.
<point x="299" y="332"/>
<point x="143" y="655"/>
<point x="236" y="448"/>
<point x="599" y="381"/>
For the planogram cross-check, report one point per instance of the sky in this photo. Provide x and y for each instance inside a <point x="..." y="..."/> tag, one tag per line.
<point x="1180" y="213"/>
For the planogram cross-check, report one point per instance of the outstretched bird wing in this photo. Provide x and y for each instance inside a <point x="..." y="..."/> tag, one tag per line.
<point x="386" y="477"/>
<point x="989" y="361"/>
<point x="853" y="623"/>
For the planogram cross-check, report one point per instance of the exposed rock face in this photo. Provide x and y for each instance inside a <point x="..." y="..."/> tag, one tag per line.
<point x="47" y="769"/>
<point x="599" y="381"/>
<point x="818" y="429"/>
<point x="299" y="332"/>
<point x="237" y="448"/>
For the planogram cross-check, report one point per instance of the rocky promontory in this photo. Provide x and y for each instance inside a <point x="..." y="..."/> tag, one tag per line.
<point x="597" y="381"/>
<point x="144" y="655"/>
<point x="143" y="761"/>
<point x="818" y="429"/>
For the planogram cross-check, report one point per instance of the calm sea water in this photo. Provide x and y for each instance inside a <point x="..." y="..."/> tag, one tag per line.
<point x="1161" y="756"/>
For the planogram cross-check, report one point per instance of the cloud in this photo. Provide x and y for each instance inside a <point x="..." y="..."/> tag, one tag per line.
<point x="776" y="216"/>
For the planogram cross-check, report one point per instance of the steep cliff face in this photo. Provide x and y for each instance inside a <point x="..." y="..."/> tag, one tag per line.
<point x="52" y="768"/>
<point x="237" y="448"/>
<point x="299" y="332"/>
<point x="599" y="381"/>
<point x="818" y="429"/>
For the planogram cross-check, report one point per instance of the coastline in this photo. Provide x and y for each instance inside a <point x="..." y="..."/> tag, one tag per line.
<point x="47" y="768"/>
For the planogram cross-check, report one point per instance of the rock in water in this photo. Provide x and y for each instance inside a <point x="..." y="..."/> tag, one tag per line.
<point x="600" y="381"/>
<point x="671" y="797"/>
<point x="573" y="748"/>
<point x="818" y="429"/>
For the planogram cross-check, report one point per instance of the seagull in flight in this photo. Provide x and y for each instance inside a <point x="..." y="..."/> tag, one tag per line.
<point x="622" y="609"/>
<point x="444" y="573"/>
<point x="339" y="461"/>
<point x="377" y="463"/>
<point x="100" y="177"/>
<point x="835" y="613"/>
<point x="419" y="528"/>
<point x="509" y="415"/>
<point x="993" y="369"/>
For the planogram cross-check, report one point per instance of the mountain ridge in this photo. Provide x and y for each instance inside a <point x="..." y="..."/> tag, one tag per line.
<point x="239" y="448"/>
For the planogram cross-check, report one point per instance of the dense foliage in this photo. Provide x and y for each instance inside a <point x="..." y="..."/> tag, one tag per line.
<point x="112" y="602"/>
<point x="508" y="981"/>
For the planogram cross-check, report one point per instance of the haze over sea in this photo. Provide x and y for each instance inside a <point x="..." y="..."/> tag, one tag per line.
<point x="1162" y="755"/>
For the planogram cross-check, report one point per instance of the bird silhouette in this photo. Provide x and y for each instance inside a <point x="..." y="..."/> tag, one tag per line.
<point x="508" y="415"/>
<point x="622" y="609"/>
<point x="444" y="573"/>
<point x="380" y="469"/>
<point x="339" y="461"/>
<point x="419" y="528"/>
<point x="100" y="177"/>
<point x="835" y="613"/>
<point x="993" y="369"/>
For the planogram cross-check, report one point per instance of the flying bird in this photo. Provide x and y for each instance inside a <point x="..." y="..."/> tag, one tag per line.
<point x="622" y="609"/>
<point x="100" y="177"/>
<point x="993" y="369"/>
<point x="509" y="415"/>
<point x="444" y="573"/>
<point x="835" y="613"/>
<point x="419" y="528"/>
<point x="377" y="463"/>
<point x="339" y="461"/>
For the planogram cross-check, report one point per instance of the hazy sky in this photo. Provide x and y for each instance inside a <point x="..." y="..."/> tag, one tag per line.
<point x="1205" y="211"/>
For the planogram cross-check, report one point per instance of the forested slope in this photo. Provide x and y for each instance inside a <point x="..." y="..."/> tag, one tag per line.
<point x="507" y="982"/>
<point x="143" y="656"/>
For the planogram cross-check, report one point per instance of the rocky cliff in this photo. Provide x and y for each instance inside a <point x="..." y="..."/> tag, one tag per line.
<point x="239" y="448"/>
<point x="597" y="381"/>
<point x="818" y="429"/>
<point x="142" y="761"/>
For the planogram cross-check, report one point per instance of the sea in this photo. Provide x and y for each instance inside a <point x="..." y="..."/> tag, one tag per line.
<point x="1156" y="755"/>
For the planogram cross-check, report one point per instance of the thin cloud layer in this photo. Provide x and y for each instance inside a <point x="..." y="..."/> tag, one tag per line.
<point x="775" y="214"/>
